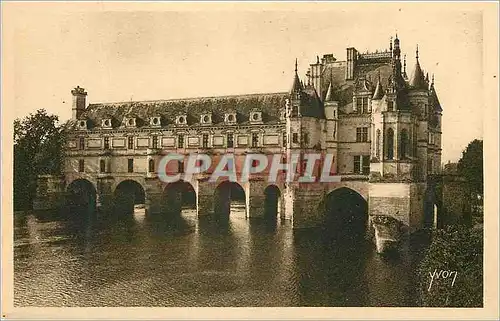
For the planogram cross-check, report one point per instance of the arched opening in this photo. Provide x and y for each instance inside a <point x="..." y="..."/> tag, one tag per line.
<point x="346" y="214"/>
<point x="404" y="144"/>
<point x="229" y="200"/>
<point x="272" y="202"/>
<point x="151" y="165"/>
<point x="128" y="196"/>
<point x="81" y="195"/>
<point x="178" y="197"/>
<point x="390" y="144"/>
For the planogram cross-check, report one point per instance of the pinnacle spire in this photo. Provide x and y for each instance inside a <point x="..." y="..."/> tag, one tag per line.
<point x="379" y="91"/>
<point x="329" y="93"/>
<point x="296" y="86"/>
<point x="417" y="80"/>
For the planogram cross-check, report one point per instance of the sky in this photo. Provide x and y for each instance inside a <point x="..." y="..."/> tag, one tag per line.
<point x="162" y="51"/>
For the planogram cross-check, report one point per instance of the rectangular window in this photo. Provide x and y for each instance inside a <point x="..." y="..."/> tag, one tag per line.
<point x="359" y="104"/>
<point x="284" y="139"/>
<point x="362" y="134"/>
<point x="180" y="141"/>
<point x="366" y="164"/>
<point x="364" y="107"/>
<point x="130" y="142"/>
<point x="82" y="143"/>
<point x="130" y="165"/>
<point x="230" y="142"/>
<point x="155" y="141"/>
<point x="306" y="138"/>
<point x="205" y="141"/>
<point x="180" y="168"/>
<point x="106" y="142"/>
<point x="102" y="166"/>
<point x="255" y="140"/>
<point x="357" y="164"/>
<point x="295" y="138"/>
<point x="390" y="106"/>
<point x="81" y="165"/>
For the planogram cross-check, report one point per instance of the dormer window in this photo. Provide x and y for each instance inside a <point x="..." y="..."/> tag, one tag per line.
<point x="181" y="120"/>
<point x="255" y="116"/>
<point x="155" y="121"/>
<point x="206" y="119"/>
<point x="283" y="115"/>
<point x="82" y="124"/>
<point x="106" y="123"/>
<point x="130" y="122"/>
<point x="230" y="118"/>
<point x="361" y="104"/>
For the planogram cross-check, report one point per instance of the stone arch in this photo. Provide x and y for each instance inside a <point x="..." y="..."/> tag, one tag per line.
<point x="178" y="195"/>
<point x="81" y="194"/>
<point x="272" y="202"/>
<point x="229" y="196"/>
<point x="345" y="213"/>
<point x="128" y="194"/>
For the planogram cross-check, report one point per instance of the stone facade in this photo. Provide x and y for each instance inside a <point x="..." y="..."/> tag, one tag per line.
<point x="382" y="127"/>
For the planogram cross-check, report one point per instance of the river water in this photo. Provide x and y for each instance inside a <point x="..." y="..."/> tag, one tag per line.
<point x="133" y="261"/>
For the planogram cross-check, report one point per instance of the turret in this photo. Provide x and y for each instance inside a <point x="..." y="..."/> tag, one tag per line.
<point x="79" y="102"/>
<point x="417" y="80"/>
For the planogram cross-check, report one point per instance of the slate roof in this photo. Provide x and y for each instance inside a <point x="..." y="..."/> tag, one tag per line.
<point x="270" y="105"/>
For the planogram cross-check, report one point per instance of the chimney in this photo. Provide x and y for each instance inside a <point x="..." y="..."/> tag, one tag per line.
<point x="352" y="55"/>
<point x="78" y="106"/>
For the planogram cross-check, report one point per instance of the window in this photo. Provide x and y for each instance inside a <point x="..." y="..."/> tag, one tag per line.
<point x="81" y="165"/>
<point x="365" y="164"/>
<point x="361" y="104"/>
<point x="151" y="165"/>
<point x="82" y="143"/>
<point x="306" y="138"/>
<point x="429" y="165"/>
<point x="404" y="144"/>
<point x="284" y="139"/>
<point x="205" y="141"/>
<point x="364" y="107"/>
<point x="390" y="143"/>
<point x="130" y="142"/>
<point x="130" y="165"/>
<point x="255" y="139"/>
<point x="102" y="166"/>
<point x="362" y="164"/>
<point x="357" y="164"/>
<point x="390" y="105"/>
<point x="377" y="144"/>
<point x="230" y="142"/>
<point x="180" y="167"/>
<point x="295" y="138"/>
<point x="155" y="141"/>
<point x="180" y="141"/>
<point x="106" y="142"/>
<point x="362" y="134"/>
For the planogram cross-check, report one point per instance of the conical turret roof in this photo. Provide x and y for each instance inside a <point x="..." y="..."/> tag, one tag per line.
<point x="417" y="80"/>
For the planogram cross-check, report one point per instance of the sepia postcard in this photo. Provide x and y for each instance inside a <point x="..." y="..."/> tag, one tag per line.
<point x="263" y="160"/>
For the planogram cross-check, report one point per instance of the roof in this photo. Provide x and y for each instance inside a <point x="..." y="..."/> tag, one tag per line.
<point x="417" y="80"/>
<point x="271" y="105"/>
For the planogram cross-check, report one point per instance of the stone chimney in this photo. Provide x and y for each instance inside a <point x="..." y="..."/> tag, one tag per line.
<point x="79" y="102"/>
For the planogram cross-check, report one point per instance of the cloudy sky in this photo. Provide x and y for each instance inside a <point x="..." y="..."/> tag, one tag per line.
<point x="161" y="51"/>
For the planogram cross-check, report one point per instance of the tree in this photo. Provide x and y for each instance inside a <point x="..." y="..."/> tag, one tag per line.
<point x="459" y="249"/>
<point x="470" y="166"/>
<point x="38" y="149"/>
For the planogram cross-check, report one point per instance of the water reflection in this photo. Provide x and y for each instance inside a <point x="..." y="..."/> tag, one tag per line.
<point x="134" y="260"/>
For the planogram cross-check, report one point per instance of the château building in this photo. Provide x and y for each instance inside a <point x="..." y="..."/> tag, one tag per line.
<point x="382" y="126"/>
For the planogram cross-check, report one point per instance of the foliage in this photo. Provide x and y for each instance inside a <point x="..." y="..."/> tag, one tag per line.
<point x="38" y="149"/>
<point x="456" y="248"/>
<point x="470" y="166"/>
